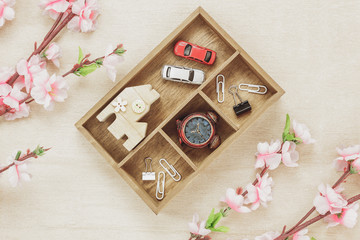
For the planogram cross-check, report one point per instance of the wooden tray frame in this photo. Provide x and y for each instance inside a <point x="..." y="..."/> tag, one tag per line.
<point x="232" y="61"/>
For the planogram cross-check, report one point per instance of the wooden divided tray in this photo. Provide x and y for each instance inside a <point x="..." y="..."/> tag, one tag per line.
<point x="178" y="100"/>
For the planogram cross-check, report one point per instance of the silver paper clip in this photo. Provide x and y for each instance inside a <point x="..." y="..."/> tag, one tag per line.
<point x="259" y="89"/>
<point x="172" y="174"/>
<point x="160" y="190"/>
<point x="148" y="175"/>
<point x="220" y="83"/>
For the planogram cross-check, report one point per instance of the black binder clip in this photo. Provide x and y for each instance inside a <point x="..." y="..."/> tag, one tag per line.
<point x="243" y="106"/>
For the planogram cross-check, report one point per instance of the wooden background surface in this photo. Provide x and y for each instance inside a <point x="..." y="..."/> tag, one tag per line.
<point x="311" y="48"/>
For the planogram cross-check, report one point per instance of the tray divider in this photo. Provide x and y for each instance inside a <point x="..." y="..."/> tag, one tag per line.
<point x="218" y="70"/>
<point x="178" y="150"/>
<point x="218" y="111"/>
<point x="137" y="148"/>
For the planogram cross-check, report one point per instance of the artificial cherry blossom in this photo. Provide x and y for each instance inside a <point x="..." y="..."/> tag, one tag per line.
<point x="302" y="131"/>
<point x="289" y="155"/>
<point x="260" y="193"/>
<point x="110" y="62"/>
<point x="30" y="69"/>
<point x="13" y="98"/>
<point x="119" y="104"/>
<point x="346" y="154"/>
<point x="47" y="90"/>
<point x="198" y="228"/>
<point x="53" y="53"/>
<point x="24" y="111"/>
<point x="87" y="12"/>
<point x="329" y="199"/>
<point x="268" y="236"/>
<point x="356" y="165"/>
<point x="301" y="235"/>
<point x="348" y="217"/>
<point x="268" y="155"/>
<point x="5" y="74"/>
<point x="17" y="172"/>
<point x="54" y="7"/>
<point x="235" y="201"/>
<point x="6" y="11"/>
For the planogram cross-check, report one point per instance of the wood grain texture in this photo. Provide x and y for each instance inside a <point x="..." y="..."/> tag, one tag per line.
<point x="309" y="47"/>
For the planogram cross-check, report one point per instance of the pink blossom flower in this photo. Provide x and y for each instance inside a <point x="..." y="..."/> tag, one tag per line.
<point x="87" y="12"/>
<point x="268" y="155"/>
<point x="235" y="201"/>
<point x="346" y="154"/>
<point x="268" y="236"/>
<point x="302" y="131"/>
<point x="5" y="74"/>
<point x="329" y="200"/>
<point x="260" y="193"/>
<point x="30" y="69"/>
<point x="6" y="11"/>
<point x="110" y="62"/>
<point x="198" y="228"/>
<point x="348" y="217"/>
<point x="24" y="111"/>
<point x="54" y="7"/>
<point x="17" y="172"/>
<point x="289" y="155"/>
<point x="13" y="98"/>
<point x="47" y="90"/>
<point x="301" y="235"/>
<point x="53" y="53"/>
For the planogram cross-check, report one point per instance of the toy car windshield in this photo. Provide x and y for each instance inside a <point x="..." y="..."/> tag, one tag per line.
<point x="208" y="56"/>
<point x="187" y="50"/>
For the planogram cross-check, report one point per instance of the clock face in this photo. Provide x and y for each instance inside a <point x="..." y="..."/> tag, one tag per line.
<point x="198" y="130"/>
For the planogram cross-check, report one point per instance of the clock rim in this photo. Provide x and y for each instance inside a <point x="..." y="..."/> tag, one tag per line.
<point x="182" y="130"/>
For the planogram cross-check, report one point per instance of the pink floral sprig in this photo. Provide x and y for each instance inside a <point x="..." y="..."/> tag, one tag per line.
<point x="330" y="203"/>
<point x="268" y="157"/>
<point x="37" y="84"/>
<point x="17" y="165"/>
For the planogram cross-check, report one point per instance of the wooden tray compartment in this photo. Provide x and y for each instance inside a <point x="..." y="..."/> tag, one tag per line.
<point x="197" y="104"/>
<point x="176" y="101"/>
<point x="156" y="148"/>
<point x="236" y="72"/>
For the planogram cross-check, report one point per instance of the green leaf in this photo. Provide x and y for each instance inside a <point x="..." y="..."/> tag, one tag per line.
<point x="99" y="62"/>
<point x="287" y="127"/>
<point x="120" y="51"/>
<point x="18" y="155"/>
<point x="210" y="219"/>
<point x="353" y="170"/>
<point x="39" y="151"/>
<point x="217" y="218"/>
<point x="312" y="238"/>
<point x="86" y="70"/>
<point x="81" y="55"/>
<point x="220" y="229"/>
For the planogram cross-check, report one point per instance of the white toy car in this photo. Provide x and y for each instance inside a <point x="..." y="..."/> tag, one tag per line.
<point x="182" y="74"/>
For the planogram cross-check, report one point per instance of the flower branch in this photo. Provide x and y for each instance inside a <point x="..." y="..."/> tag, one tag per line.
<point x="17" y="164"/>
<point x="268" y="157"/>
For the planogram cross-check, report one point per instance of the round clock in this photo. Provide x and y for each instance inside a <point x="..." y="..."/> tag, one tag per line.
<point x="197" y="130"/>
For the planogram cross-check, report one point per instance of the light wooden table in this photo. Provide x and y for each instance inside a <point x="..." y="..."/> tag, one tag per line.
<point x="311" y="48"/>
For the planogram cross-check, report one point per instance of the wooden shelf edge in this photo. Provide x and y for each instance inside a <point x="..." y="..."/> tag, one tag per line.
<point x="178" y="150"/>
<point x="97" y="146"/>
<point x="218" y="111"/>
<point x="218" y="71"/>
<point x="139" y="190"/>
<point x="177" y="189"/>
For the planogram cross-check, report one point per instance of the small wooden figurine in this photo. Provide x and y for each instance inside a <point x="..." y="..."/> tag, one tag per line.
<point x="130" y="105"/>
<point x="197" y="130"/>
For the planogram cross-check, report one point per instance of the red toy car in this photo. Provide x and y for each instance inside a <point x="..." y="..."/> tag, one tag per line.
<point x="194" y="52"/>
